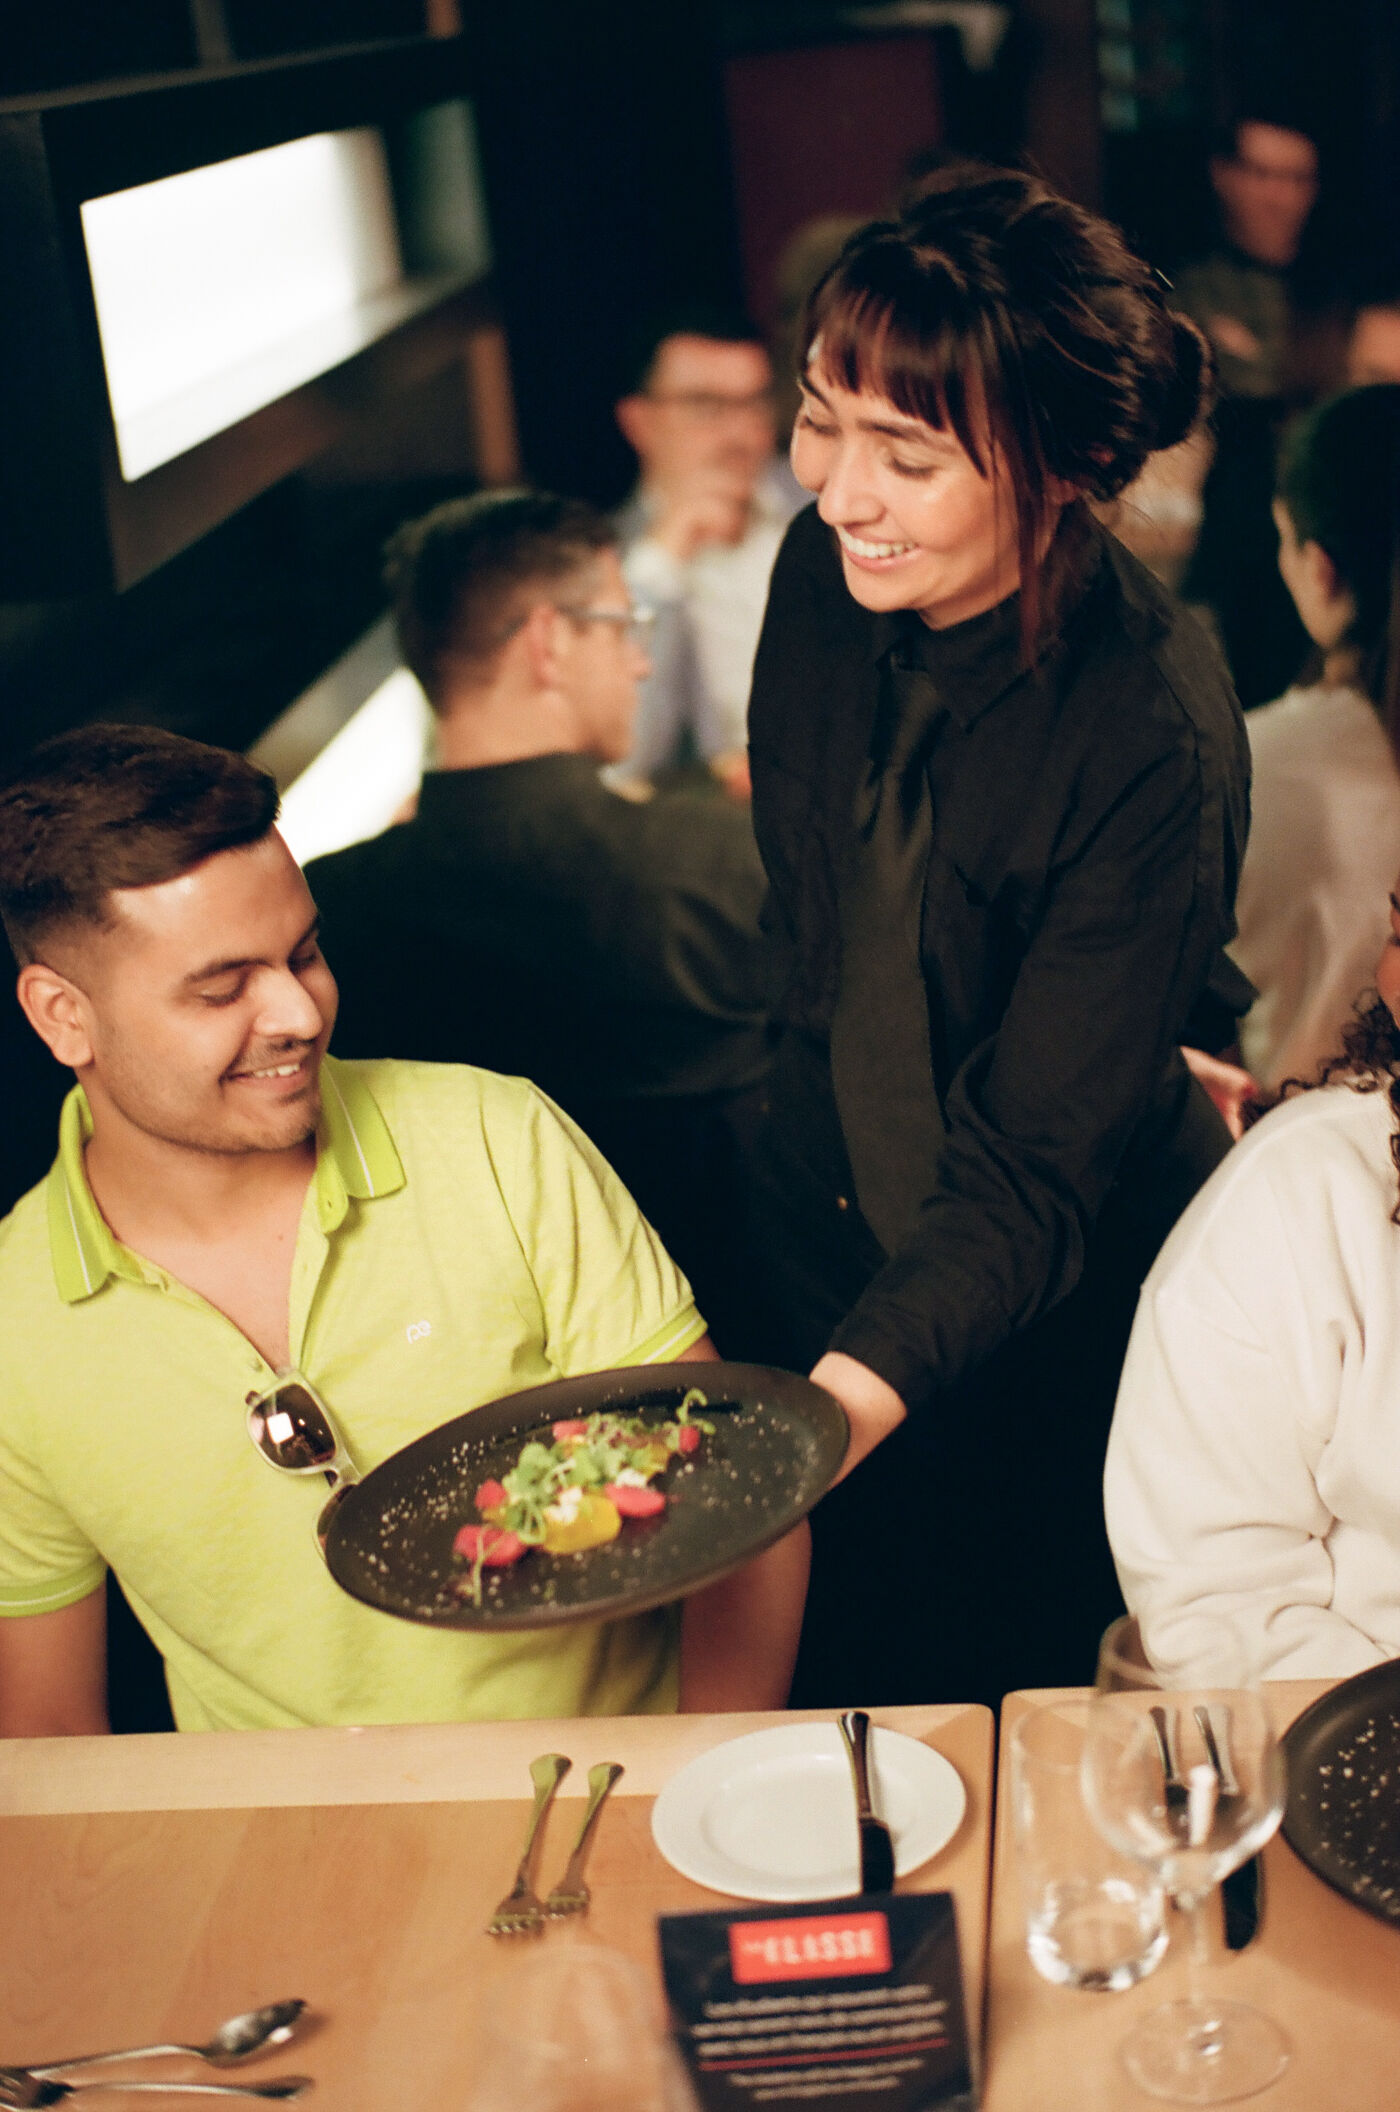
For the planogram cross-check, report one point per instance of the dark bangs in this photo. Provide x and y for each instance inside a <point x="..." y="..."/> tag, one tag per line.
<point x="904" y="325"/>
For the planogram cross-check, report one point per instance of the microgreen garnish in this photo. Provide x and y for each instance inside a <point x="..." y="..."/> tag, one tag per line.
<point x="606" y="1457"/>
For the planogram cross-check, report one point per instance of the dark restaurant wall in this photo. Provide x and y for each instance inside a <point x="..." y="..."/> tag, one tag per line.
<point x="603" y="163"/>
<point x="602" y="132"/>
<point x="1172" y="71"/>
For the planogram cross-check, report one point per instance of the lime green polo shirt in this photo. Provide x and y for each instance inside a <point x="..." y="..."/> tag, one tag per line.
<point x="460" y="1240"/>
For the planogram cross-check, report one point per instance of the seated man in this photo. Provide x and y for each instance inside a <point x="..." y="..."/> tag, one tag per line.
<point x="531" y="920"/>
<point x="227" y="1203"/>
<point x="1253" y="1467"/>
<point x="1245" y="294"/>
<point x="701" y="535"/>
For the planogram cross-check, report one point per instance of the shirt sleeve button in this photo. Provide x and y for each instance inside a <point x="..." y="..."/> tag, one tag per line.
<point x="842" y="1203"/>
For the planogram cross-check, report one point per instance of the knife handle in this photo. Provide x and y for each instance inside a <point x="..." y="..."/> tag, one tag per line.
<point x="1242" y="1903"/>
<point x="855" y="1729"/>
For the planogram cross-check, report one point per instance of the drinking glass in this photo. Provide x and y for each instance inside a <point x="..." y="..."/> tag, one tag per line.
<point x="1182" y="1771"/>
<point x="1094" y="1917"/>
<point x="575" y="2027"/>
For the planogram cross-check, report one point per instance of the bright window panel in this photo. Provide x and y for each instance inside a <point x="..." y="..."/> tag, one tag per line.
<point x="221" y="289"/>
<point x="361" y="779"/>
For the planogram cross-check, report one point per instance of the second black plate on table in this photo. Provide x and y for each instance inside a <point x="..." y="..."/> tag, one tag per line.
<point x="778" y="1441"/>
<point x="1343" y="1815"/>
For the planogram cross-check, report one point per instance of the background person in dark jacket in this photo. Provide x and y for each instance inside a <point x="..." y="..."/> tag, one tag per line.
<point x="529" y="919"/>
<point x="1000" y="791"/>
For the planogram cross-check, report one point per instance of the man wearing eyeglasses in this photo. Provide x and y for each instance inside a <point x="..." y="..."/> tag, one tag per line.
<point x="700" y="535"/>
<point x="1264" y="173"/>
<point x="251" y="1262"/>
<point x="1270" y="324"/>
<point x="530" y="919"/>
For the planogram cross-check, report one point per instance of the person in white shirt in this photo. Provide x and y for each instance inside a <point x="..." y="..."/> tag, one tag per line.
<point x="1254" y="1462"/>
<point x="1325" y="835"/>
<point x="700" y="536"/>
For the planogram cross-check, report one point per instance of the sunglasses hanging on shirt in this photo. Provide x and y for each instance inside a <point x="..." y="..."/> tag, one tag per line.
<point x="294" y="1431"/>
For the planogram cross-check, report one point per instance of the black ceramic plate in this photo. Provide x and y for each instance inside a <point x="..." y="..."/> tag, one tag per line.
<point x="1343" y="1815"/>
<point x="778" y="1440"/>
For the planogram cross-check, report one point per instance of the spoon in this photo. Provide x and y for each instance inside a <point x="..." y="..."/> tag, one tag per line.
<point x="19" y="2087"/>
<point x="235" y="2040"/>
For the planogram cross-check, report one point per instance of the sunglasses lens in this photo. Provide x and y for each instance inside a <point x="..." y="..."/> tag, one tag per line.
<point x="290" y="1428"/>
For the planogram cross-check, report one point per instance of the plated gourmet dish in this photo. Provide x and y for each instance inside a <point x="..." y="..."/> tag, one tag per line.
<point x="574" y="1493"/>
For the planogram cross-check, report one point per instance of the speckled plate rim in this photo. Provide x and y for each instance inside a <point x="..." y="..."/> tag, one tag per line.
<point x="745" y="1385"/>
<point x="1313" y="1738"/>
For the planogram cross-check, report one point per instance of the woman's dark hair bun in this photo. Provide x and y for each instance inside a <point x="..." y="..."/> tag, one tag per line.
<point x="1190" y="391"/>
<point x="1156" y="382"/>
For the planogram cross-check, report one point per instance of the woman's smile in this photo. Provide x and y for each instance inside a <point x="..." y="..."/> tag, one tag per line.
<point x="863" y="550"/>
<point x="919" y="524"/>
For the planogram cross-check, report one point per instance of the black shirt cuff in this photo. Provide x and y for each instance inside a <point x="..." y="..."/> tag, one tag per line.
<point x="898" y="1365"/>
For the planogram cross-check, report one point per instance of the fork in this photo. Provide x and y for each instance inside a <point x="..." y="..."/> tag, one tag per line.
<point x="1178" y="1794"/>
<point x="571" y="1894"/>
<point x="1218" y="1750"/>
<point x="21" y="2088"/>
<point x="521" y="1913"/>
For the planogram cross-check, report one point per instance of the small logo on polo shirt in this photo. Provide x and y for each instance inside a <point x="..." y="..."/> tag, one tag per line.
<point x="418" y="1328"/>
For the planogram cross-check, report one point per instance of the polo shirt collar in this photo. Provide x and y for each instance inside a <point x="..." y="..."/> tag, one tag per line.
<point x="357" y="1155"/>
<point x="356" y="1158"/>
<point x="81" y="1246"/>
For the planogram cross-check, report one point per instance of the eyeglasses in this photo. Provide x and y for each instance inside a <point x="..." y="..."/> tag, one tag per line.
<point x="1264" y="172"/>
<point x="292" y="1428"/>
<point x="709" y="408"/>
<point x="635" y="621"/>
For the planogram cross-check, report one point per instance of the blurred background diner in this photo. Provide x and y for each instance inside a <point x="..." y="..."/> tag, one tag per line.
<point x="282" y="278"/>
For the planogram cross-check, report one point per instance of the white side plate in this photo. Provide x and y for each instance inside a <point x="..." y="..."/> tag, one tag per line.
<point x="773" y="1816"/>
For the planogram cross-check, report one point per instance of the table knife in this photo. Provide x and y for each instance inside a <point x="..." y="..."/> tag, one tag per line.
<point x="1242" y="1899"/>
<point x="1242" y="1890"/>
<point x="876" y="1846"/>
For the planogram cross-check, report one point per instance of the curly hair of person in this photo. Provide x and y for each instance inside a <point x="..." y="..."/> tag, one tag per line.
<point x="1367" y="1062"/>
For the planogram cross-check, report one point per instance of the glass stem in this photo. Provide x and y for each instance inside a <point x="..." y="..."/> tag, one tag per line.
<point x="1207" y="2025"/>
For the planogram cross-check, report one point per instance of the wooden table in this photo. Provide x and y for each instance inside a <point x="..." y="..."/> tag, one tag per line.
<point x="153" y="1886"/>
<point x="1329" y="1974"/>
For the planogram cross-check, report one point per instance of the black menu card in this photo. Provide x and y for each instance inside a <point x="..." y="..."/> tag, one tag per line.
<point x="844" y="2003"/>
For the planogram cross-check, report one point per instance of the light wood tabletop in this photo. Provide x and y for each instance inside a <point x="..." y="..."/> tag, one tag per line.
<point x="1329" y="1974"/>
<point x="155" y="1886"/>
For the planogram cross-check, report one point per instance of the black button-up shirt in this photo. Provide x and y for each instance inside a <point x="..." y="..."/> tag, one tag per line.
<point x="530" y="920"/>
<point x="1088" y="819"/>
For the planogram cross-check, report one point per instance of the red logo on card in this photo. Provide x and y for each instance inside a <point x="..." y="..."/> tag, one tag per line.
<point x="817" y="1947"/>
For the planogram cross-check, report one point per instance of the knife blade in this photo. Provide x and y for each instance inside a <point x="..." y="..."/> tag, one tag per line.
<point x="1241" y="1890"/>
<point x="876" y="1845"/>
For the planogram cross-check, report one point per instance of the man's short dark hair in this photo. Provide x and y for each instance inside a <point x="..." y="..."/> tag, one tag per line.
<point x="1281" y="111"/>
<point x="727" y="326"/>
<point x="463" y="575"/>
<point x="107" y="807"/>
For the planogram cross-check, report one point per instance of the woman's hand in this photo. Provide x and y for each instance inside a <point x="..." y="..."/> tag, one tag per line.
<point x="873" y="1409"/>
<point x="1228" y="1086"/>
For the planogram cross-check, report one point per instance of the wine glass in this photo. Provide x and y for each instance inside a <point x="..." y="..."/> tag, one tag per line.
<point x="1182" y="1771"/>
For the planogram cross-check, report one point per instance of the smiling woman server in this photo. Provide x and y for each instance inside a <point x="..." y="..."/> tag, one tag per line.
<point x="1000" y="790"/>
